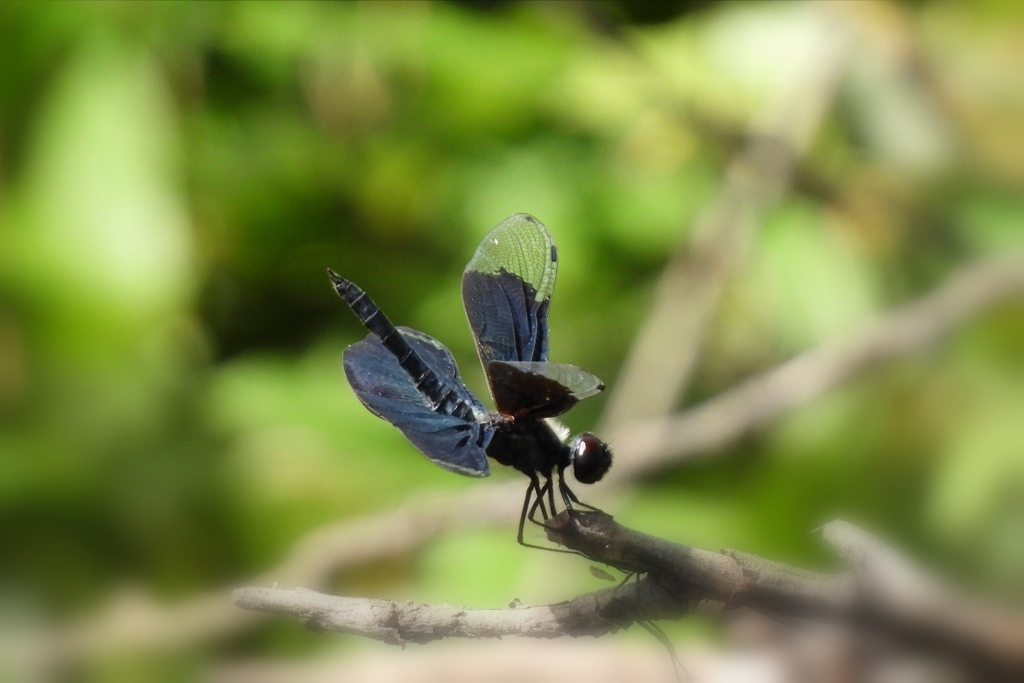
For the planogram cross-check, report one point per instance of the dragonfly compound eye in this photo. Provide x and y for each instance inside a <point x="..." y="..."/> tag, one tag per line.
<point x="591" y="458"/>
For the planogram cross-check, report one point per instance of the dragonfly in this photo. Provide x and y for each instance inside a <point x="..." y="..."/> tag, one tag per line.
<point x="411" y="380"/>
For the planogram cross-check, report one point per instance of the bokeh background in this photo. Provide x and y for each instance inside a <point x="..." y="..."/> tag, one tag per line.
<point x="175" y="177"/>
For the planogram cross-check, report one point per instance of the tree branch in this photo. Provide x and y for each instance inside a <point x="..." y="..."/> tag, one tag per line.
<point x="676" y="578"/>
<point x="398" y="623"/>
<point x="884" y="592"/>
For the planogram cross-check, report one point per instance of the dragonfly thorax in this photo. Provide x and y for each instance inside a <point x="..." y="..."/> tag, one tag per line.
<point x="530" y="446"/>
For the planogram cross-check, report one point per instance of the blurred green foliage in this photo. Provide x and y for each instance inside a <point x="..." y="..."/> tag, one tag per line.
<point x="175" y="177"/>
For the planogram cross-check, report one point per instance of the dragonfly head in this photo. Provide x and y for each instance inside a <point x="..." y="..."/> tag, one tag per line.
<point x="591" y="458"/>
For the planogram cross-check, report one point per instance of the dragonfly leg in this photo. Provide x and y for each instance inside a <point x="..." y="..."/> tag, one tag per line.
<point x="538" y="503"/>
<point x="528" y="511"/>
<point x="571" y="499"/>
<point x="535" y="493"/>
<point x="551" y="495"/>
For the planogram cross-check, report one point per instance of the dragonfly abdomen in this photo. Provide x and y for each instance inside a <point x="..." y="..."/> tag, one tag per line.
<point x="441" y="396"/>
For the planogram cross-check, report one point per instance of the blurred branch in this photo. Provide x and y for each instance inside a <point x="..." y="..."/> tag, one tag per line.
<point x="652" y="381"/>
<point x="586" y="660"/>
<point x="133" y="621"/>
<point x="642" y="447"/>
<point x="676" y="578"/>
<point x="914" y="600"/>
<point x="765" y="398"/>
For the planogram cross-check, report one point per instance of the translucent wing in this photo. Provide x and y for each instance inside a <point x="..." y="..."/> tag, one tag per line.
<point x="538" y="390"/>
<point x="506" y="290"/>
<point x="453" y="441"/>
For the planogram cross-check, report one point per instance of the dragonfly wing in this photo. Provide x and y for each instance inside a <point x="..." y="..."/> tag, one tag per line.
<point x="455" y="438"/>
<point x="506" y="290"/>
<point x="530" y="389"/>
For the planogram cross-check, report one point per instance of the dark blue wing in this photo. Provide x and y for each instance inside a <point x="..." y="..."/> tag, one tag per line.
<point x="506" y="290"/>
<point x="387" y="390"/>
